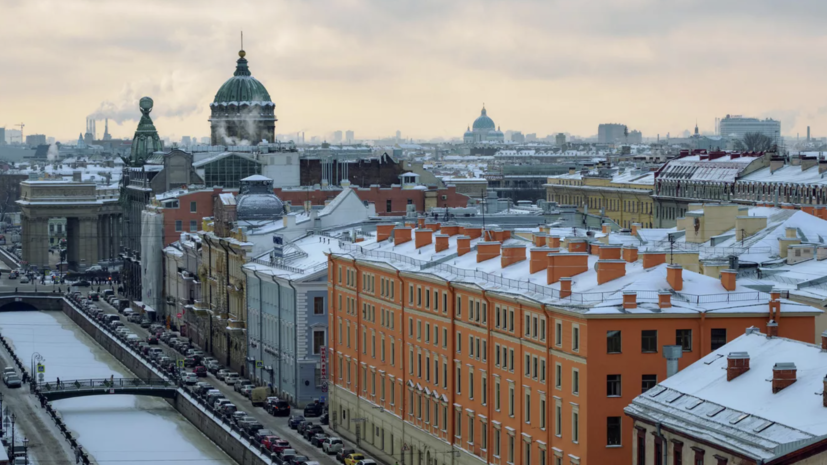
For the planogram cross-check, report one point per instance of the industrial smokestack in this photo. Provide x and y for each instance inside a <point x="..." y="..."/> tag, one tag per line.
<point x="672" y="354"/>
<point x="808" y="133"/>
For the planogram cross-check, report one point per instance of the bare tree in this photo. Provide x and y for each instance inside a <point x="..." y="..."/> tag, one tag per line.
<point x="756" y="142"/>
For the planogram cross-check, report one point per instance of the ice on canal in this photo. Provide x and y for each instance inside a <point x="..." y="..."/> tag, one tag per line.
<point x="118" y="428"/>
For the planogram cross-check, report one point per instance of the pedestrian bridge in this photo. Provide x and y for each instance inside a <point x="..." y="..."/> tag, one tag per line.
<point x="106" y="387"/>
<point x="44" y="299"/>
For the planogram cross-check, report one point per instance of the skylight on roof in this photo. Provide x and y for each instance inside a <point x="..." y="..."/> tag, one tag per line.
<point x="715" y="412"/>
<point x="738" y="419"/>
<point x="763" y="426"/>
<point x="657" y="393"/>
<point x="670" y="401"/>
<point x="695" y="404"/>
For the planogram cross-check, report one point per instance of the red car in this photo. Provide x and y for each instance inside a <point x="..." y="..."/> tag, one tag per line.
<point x="268" y="441"/>
<point x="200" y="371"/>
<point x="279" y="445"/>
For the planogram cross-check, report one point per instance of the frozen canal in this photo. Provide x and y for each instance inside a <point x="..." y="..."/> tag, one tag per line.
<point x="122" y="429"/>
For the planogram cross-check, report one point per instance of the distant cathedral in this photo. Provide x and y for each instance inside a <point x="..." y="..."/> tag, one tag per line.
<point x="483" y="130"/>
<point x="242" y="112"/>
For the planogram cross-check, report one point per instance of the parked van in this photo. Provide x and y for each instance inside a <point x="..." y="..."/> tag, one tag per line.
<point x="258" y="396"/>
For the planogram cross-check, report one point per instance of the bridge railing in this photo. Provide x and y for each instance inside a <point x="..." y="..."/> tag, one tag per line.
<point x="102" y="383"/>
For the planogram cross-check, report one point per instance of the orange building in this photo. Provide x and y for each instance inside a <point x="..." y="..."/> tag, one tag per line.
<point x="456" y="345"/>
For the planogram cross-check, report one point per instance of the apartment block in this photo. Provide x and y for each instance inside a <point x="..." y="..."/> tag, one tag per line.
<point x="454" y="344"/>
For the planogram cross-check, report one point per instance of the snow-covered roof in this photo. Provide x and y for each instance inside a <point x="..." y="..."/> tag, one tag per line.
<point x="744" y="414"/>
<point x="727" y="168"/>
<point x="256" y="177"/>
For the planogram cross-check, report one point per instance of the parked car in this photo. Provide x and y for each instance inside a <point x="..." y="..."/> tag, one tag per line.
<point x="367" y="462"/>
<point x="202" y="387"/>
<point x="353" y="458"/>
<point x="325" y="419"/>
<point x="332" y="445"/>
<point x="213" y="366"/>
<point x="279" y="445"/>
<point x="298" y="459"/>
<point x="303" y="426"/>
<point x="222" y="373"/>
<point x="237" y="416"/>
<point x="190" y="379"/>
<point x="246" y="390"/>
<point x="200" y="371"/>
<point x="251" y="426"/>
<point x="152" y="340"/>
<point x="284" y="456"/>
<point x="230" y="378"/>
<point x="311" y="431"/>
<point x="318" y="438"/>
<point x="24" y="279"/>
<point x="241" y="383"/>
<point x="145" y="323"/>
<point x="313" y="410"/>
<point x="294" y="421"/>
<point x="343" y="453"/>
<point x="228" y="409"/>
<point x="262" y="433"/>
<point x="12" y="381"/>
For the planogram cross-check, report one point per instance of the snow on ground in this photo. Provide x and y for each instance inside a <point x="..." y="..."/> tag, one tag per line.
<point x="127" y="429"/>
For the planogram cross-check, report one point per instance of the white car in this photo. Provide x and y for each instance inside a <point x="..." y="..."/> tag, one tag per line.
<point x="231" y="378"/>
<point x="190" y="378"/>
<point x="94" y="268"/>
<point x="24" y="279"/>
<point x="332" y="445"/>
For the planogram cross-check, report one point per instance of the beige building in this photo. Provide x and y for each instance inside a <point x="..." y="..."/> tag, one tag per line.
<point x="624" y="197"/>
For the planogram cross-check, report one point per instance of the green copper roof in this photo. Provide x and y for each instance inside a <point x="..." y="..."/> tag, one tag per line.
<point x="146" y="140"/>
<point x="483" y="122"/>
<point x="242" y="87"/>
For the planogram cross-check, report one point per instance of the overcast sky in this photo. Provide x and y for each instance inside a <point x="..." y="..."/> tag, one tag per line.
<point x="424" y="67"/>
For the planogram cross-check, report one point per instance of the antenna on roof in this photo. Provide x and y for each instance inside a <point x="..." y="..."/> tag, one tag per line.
<point x="242" y="40"/>
<point x="671" y="249"/>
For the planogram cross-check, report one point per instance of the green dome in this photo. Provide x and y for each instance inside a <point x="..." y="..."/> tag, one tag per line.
<point x="484" y="122"/>
<point x="242" y="87"/>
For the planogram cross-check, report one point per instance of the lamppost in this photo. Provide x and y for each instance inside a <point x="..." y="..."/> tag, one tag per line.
<point x="26" y="449"/>
<point x="36" y="359"/>
<point x="12" y="432"/>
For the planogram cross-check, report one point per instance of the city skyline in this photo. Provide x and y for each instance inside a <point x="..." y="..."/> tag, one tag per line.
<point x="612" y="63"/>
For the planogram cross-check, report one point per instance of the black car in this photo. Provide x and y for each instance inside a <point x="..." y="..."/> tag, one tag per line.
<point x="279" y="408"/>
<point x="294" y="421"/>
<point x="325" y="420"/>
<point x="311" y="431"/>
<point x="313" y="410"/>
<point x="83" y="283"/>
<point x="297" y="459"/>
<point x="262" y="433"/>
<point x="340" y="456"/>
<point x="252" y="427"/>
<point x="317" y="439"/>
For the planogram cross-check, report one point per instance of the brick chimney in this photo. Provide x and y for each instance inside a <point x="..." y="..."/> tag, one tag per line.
<point x="473" y="232"/>
<point x="609" y="252"/>
<point x="772" y="329"/>
<point x="783" y="375"/>
<point x="607" y="228"/>
<point x="674" y="276"/>
<point x="463" y="245"/>
<point x="737" y="363"/>
<point x="824" y="341"/>
<point x="629" y="253"/>
<point x="635" y="227"/>
<point x="629" y="299"/>
<point x="423" y="237"/>
<point x="775" y="309"/>
<point x="652" y="259"/>
<point x="565" y="287"/>
<point x="383" y="231"/>
<point x="577" y="245"/>
<point x="441" y="242"/>
<point x="511" y="254"/>
<point x="553" y="241"/>
<point x="728" y="279"/>
<point x="487" y="250"/>
<point x="450" y="229"/>
<point x="421" y="223"/>
<point x="401" y="235"/>
<point x="565" y="265"/>
<point x="410" y="224"/>
<point x="609" y="270"/>
<point x="664" y="299"/>
<point x="432" y="226"/>
<point x="594" y="248"/>
<point x="539" y="259"/>
<point x="540" y="239"/>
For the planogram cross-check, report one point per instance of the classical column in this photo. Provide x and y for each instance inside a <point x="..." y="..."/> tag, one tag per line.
<point x="25" y="231"/>
<point x="106" y="222"/>
<point x="38" y="239"/>
<point x="73" y="242"/>
<point x="89" y="240"/>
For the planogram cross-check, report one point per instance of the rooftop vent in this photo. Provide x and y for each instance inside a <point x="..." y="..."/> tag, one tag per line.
<point x="783" y="375"/>
<point x="737" y="363"/>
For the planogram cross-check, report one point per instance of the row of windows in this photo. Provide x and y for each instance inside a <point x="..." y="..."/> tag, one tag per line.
<point x="649" y="340"/>
<point x="697" y="455"/>
<point x="179" y="225"/>
<point x="423" y="299"/>
<point x="427" y="333"/>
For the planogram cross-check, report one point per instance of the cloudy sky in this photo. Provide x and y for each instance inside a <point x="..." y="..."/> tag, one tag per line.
<point x="421" y="66"/>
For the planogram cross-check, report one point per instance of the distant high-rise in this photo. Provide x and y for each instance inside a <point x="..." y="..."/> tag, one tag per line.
<point x="736" y="126"/>
<point x="808" y="133"/>
<point x="186" y="141"/>
<point x="611" y="133"/>
<point x="531" y="137"/>
<point x="398" y="135"/>
<point x="33" y="140"/>
<point x="337" y="137"/>
<point x="560" y="139"/>
<point x="2" y="136"/>
<point x="517" y="137"/>
<point x="349" y="136"/>
<point x="635" y="137"/>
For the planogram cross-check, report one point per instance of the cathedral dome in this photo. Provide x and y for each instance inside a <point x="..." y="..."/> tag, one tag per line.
<point x="484" y="122"/>
<point x="242" y="88"/>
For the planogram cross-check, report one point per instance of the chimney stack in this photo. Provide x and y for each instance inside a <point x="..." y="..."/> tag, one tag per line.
<point x="577" y="245"/>
<point x="487" y="250"/>
<point x="629" y="299"/>
<point x="635" y="228"/>
<point x="401" y="235"/>
<point x="420" y="222"/>
<point x="772" y="329"/>
<point x="441" y="243"/>
<point x="540" y="239"/>
<point x="629" y="253"/>
<point x="450" y="229"/>
<point x="423" y="237"/>
<point x="383" y="231"/>
<point x="553" y="241"/>
<point x="664" y="299"/>
<point x="565" y="265"/>
<point x="463" y="245"/>
<point x="674" y="276"/>
<point x="653" y="259"/>
<point x="609" y="270"/>
<point x="672" y="354"/>
<point x="737" y="363"/>
<point x="607" y="228"/>
<point x="728" y="279"/>
<point x="565" y="288"/>
<point x="609" y="252"/>
<point x="783" y="375"/>
<point x="539" y="259"/>
<point x="511" y="254"/>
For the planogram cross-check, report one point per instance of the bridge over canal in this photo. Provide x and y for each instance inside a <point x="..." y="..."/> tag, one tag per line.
<point x="107" y="387"/>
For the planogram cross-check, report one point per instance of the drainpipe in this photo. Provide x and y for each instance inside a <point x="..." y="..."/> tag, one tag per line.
<point x="489" y="360"/>
<point x="227" y="286"/>
<point x="403" y="391"/>
<point x="278" y="286"/>
<point x="209" y="275"/>
<point x="260" y="326"/>
<point x="664" y="447"/>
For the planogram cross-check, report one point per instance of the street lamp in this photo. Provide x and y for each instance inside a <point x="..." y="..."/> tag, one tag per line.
<point x="26" y="449"/>
<point x="36" y="359"/>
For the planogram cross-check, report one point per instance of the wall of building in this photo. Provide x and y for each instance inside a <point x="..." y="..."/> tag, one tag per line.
<point x="204" y="201"/>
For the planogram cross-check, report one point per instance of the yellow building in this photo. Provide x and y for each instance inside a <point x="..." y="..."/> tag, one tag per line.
<point x="623" y="197"/>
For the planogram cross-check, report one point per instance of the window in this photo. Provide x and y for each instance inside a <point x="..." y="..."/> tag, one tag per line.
<point x="558" y="333"/>
<point x="613" y="385"/>
<point x="459" y="379"/>
<point x="193" y="226"/>
<point x="683" y="338"/>
<point x="575" y="381"/>
<point x="193" y="207"/>
<point x="677" y="452"/>
<point x="511" y="401"/>
<point x="318" y="305"/>
<point x="179" y="225"/>
<point x="470" y="430"/>
<point x="527" y="407"/>
<point x="658" y="452"/>
<point x="641" y="447"/>
<point x="613" y="342"/>
<point x="648" y="382"/>
<point x="511" y="448"/>
<point x="558" y="419"/>
<point x="496" y="442"/>
<point x="699" y="455"/>
<point x="575" y="338"/>
<point x="542" y="412"/>
<point x="558" y="376"/>
<point x="649" y="341"/>
<point x="575" y="426"/>
<point x="718" y="338"/>
<point x="388" y="206"/>
<point x="527" y="455"/>
<point x="497" y="394"/>
<point x="613" y="431"/>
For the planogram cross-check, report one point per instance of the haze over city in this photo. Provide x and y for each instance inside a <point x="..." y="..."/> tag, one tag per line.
<point x="423" y="67"/>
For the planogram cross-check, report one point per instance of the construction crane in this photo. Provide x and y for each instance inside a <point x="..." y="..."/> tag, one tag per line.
<point x="21" y="126"/>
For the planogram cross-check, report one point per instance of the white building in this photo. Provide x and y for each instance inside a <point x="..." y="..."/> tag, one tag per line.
<point x="736" y="126"/>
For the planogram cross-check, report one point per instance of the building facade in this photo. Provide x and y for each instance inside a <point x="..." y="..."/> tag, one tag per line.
<point x="736" y="127"/>
<point x="457" y="348"/>
<point x="611" y="133"/>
